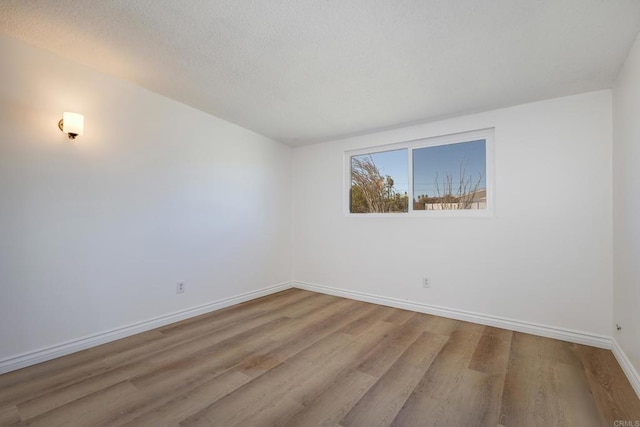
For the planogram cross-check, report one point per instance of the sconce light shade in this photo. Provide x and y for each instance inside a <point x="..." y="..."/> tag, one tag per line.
<point x="72" y="124"/>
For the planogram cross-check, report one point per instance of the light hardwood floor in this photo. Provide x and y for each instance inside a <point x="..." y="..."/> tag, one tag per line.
<point x="299" y="358"/>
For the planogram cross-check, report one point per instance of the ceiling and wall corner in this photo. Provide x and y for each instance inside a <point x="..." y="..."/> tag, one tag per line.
<point x="308" y="71"/>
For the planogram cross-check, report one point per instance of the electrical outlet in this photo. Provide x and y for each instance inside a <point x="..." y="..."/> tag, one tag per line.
<point x="426" y="282"/>
<point x="179" y="287"/>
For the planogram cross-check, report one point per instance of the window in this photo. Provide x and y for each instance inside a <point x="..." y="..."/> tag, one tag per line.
<point x="447" y="175"/>
<point x="450" y="176"/>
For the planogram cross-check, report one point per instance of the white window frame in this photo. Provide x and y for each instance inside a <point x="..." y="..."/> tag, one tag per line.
<point x="486" y="134"/>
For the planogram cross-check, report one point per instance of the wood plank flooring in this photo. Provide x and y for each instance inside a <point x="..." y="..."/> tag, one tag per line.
<point x="299" y="358"/>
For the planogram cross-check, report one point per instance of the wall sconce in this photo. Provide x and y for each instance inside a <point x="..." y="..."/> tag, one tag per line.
<point x="72" y="124"/>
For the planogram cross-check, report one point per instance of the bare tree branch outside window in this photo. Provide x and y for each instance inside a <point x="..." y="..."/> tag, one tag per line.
<point x="458" y="194"/>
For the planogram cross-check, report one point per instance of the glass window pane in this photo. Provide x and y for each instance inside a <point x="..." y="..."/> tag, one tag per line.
<point x="379" y="182"/>
<point x="450" y="177"/>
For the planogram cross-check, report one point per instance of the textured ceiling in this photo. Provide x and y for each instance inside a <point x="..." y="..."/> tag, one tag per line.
<point x="303" y="71"/>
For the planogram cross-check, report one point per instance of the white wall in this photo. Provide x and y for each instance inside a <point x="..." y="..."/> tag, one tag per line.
<point x="544" y="257"/>
<point x="626" y="185"/>
<point x="95" y="233"/>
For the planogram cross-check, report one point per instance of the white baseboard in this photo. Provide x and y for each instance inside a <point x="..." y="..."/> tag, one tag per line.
<point x="41" y="355"/>
<point x="627" y="366"/>
<point x="563" y="334"/>
<point x="23" y="360"/>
